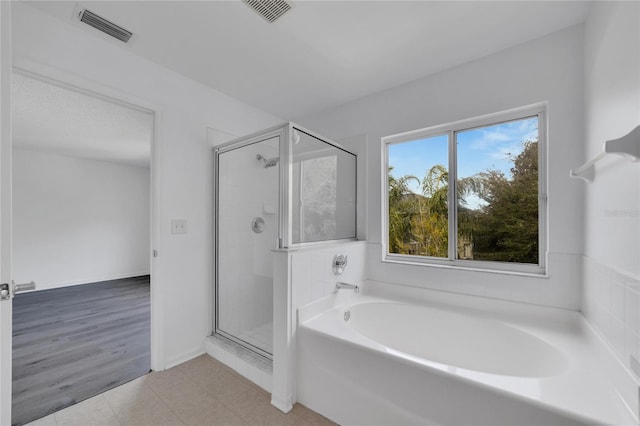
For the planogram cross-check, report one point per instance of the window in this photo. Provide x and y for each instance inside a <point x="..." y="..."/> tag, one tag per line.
<point x="323" y="190"/>
<point x="469" y="194"/>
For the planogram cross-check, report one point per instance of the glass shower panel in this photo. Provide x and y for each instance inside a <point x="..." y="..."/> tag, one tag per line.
<point x="323" y="198"/>
<point x="247" y="231"/>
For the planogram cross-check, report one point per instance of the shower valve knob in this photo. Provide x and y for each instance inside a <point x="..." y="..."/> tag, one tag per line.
<point x="339" y="263"/>
<point x="257" y="225"/>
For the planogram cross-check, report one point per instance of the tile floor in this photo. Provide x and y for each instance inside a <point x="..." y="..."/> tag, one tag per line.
<point x="199" y="392"/>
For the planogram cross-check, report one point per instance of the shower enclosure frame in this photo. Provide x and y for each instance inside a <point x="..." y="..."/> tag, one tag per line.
<point x="285" y="208"/>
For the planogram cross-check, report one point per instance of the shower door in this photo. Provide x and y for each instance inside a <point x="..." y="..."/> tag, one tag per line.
<point x="247" y="230"/>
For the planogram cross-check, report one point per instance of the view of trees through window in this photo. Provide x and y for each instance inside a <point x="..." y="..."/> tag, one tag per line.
<point x="496" y="194"/>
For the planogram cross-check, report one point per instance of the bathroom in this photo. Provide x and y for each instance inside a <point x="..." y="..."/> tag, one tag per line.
<point x="583" y="75"/>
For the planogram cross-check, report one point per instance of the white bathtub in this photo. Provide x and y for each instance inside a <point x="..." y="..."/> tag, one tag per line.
<point x="394" y="363"/>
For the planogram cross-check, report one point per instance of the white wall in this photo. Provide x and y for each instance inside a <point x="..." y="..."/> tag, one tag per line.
<point x="78" y="221"/>
<point x="548" y="69"/>
<point x="182" y="158"/>
<point x="611" y="299"/>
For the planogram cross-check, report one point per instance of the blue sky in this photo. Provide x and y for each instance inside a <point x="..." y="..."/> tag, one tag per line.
<point x="479" y="149"/>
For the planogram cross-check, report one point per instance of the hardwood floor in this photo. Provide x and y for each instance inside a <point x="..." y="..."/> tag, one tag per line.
<point x="72" y="343"/>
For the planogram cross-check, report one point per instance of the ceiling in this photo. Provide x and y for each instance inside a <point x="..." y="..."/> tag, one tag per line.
<point x="321" y="54"/>
<point x="56" y="119"/>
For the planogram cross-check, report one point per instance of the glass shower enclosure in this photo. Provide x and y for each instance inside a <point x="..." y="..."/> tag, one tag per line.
<point x="281" y="188"/>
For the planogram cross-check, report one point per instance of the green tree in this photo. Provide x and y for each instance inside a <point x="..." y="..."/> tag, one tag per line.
<point x="430" y="226"/>
<point x="507" y="228"/>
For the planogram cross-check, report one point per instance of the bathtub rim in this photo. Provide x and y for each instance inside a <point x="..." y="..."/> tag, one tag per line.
<point x="338" y="301"/>
<point x="561" y="359"/>
<point x="476" y="384"/>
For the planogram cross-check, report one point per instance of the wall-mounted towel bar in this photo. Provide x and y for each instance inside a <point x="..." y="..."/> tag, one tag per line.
<point x="628" y="145"/>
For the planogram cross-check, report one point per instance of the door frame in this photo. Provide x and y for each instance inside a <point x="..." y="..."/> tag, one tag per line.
<point x="6" y="311"/>
<point x="91" y="88"/>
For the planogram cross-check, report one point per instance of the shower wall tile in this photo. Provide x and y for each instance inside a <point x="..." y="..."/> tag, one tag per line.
<point x="618" y="301"/>
<point x="560" y="288"/>
<point x="632" y="309"/>
<point x="312" y="276"/>
<point x="245" y="261"/>
<point x="631" y="344"/>
<point x="611" y="303"/>
<point x="302" y="276"/>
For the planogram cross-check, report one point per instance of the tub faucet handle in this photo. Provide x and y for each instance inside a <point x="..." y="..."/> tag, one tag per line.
<point x="339" y="263"/>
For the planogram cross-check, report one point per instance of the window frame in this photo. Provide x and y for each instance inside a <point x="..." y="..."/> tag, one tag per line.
<point x="450" y="129"/>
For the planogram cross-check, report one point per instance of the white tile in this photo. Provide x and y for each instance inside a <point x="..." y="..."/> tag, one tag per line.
<point x="617" y="334"/>
<point x="213" y="349"/>
<point x="587" y="296"/>
<point x="602" y="321"/>
<point x="49" y="420"/>
<point x="633" y="283"/>
<point x="266" y="381"/>
<point x="254" y="374"/>
<point x="631" y="347"/>
<point x="242" y="367"/>
<point x="523" y="292"/>
<point x="554" y="293"/>
<point x="317" y="290"/>
<point x="632" y="310"/>
<point x="226" y="358"/>
<point x="93" y="411"/>
<point x="617" y="301"/>
<point x="302" y="279"/>
<point x="603" y="291"/>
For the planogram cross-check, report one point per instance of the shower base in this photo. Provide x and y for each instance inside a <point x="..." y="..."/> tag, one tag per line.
<point x="261" y="336"/>
<point x="253" y="367"/>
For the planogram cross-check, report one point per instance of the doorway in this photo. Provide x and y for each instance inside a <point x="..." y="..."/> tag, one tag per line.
<point x="82" y="232"/>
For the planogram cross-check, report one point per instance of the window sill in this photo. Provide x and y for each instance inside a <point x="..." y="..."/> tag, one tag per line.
<point x="532" y="271"/>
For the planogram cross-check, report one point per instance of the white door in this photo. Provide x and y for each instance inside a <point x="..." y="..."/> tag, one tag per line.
<point x="5" y="210"/>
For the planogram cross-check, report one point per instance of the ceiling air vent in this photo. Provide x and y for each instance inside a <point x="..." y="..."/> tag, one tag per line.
<point x="270" y="10"/>
<point x="107" y="27"/>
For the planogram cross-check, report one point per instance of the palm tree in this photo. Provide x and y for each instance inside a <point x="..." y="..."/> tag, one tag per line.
<point x="400" y="212"/>
<point x="435" y="227"/>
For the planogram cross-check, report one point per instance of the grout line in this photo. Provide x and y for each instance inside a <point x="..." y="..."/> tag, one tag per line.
<point x="163" y="401"/>
<point x="110" y="407"/>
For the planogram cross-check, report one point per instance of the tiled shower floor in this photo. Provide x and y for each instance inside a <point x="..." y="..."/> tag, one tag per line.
<point x="261" y="336"/>
<point x="199" y="392"/>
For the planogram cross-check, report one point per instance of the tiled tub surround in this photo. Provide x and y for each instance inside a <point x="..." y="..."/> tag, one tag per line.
<point x="611" y="304"/>
<point x="301" y="276"/>
<point x="376" y="384"/>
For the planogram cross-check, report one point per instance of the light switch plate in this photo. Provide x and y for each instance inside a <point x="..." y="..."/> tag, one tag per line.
<point x="178" y="226"/>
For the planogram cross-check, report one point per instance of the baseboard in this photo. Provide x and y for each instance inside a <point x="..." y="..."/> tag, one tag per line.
<point x="282" y="405"/>
<point x="185" y="356"/>
<point x="91" y="280"/>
